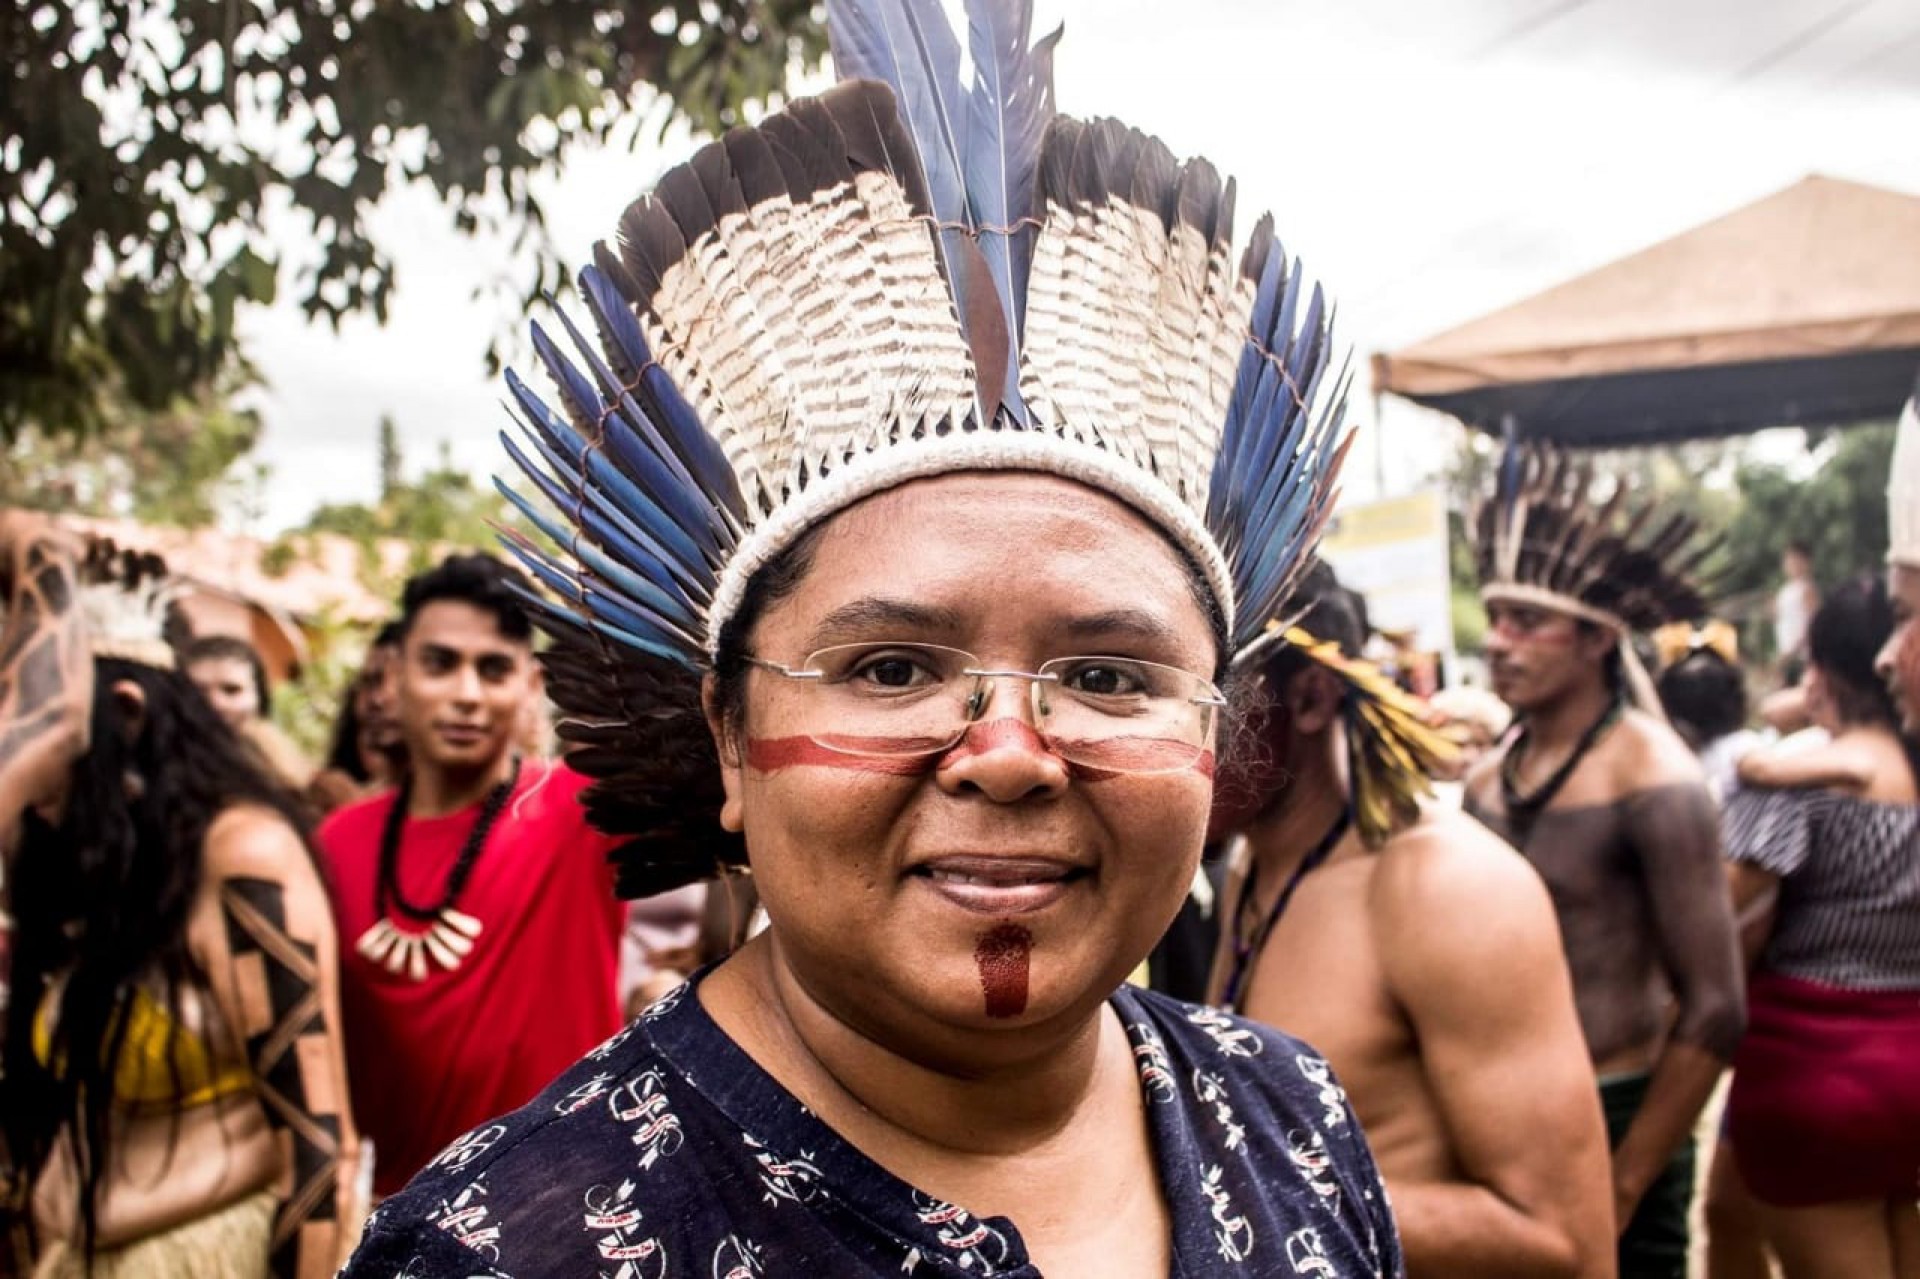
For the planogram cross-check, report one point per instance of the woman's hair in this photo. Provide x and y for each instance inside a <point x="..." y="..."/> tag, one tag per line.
<point x="1705" y="696"/>
<point x="101" y="900"/>
<point x="343" y="752"/>
<point x="230" y="648"/>
<point x="1846" y="633"/>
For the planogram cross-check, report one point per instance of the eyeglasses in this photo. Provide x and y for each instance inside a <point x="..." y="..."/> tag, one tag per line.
<point x="889" y="700"/>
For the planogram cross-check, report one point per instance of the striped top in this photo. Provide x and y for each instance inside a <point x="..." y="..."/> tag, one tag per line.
<point x="1849" y="910"/>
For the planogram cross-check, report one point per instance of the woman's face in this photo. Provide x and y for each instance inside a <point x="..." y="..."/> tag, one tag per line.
<point x="1899" y="660"/>
<point x="227" y="683"/>
<point x="992" y="884"/>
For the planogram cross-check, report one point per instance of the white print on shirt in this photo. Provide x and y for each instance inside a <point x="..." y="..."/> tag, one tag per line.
<point x="1211" y="1090"/>
<point x="583" y="1096"/>
<point x="1333" y="1098"/>
<point x="972" y="1241"/>
<point x="1231" y="1038"/>
<point x="467" y="1219"/>
<point x="794" y="1180"/>
<point x="1308" y="1255"/>
<point x="642" y="1101"/>
<point x="738" y="1258"/>
<point x="1156" y="1071"/>
<point x="1308" y="1153"/>
<point x="469" y="1147"/>
<point x="1231" y="1231"/>
<point x="611" y="1214"/>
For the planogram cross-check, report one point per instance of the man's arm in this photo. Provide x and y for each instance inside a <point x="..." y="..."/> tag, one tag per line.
<point x="1472" y="953"/>
<point x="46" y="673"/>
<point x="1675" y="831"/>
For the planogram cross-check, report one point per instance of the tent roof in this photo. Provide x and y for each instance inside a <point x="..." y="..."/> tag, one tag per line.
<point x="1803" y="307"/>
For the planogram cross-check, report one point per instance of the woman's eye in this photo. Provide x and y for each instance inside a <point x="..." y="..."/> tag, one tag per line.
<point x="1105" y="681"/>
<point x="892" y="672"/>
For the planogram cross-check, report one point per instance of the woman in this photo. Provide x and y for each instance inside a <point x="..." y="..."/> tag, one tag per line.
<point x="1824" y="1113"/>
<point x="367" y="754"/>
<point x="173" y="1066"/>
<point x="919" y="604"/>
<point x="229" y="673"/>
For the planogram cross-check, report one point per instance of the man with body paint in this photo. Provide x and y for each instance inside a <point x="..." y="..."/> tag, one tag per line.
<point x="1421" y="957"/>
<point x="1609" y="805"/>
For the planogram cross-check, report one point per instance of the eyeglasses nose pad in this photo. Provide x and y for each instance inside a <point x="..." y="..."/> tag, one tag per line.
<point x="977" y="700"/>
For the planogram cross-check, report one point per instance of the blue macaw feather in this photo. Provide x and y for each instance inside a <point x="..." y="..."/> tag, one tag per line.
<point x="667" y="420"/>
<point x="603" y="528"/>
<point x="626" y="639"/>
<point x="660" y="475"/>
<point x="1009" y="105"/>
<point x="577" y="395"/>
<point x="593" y="601"/>
<point x="673" y="544"/>
<point x="908" y="45"/>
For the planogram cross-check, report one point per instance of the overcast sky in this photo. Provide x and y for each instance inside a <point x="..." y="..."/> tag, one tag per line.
<point x="1430" y="159"/>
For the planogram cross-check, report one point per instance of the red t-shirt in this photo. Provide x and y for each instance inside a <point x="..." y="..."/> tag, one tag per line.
<point x="428" y="1060"/>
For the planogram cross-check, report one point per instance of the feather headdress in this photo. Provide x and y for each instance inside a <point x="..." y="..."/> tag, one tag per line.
<point x="124" y="598"/>
<point x="1392" y="751"/>
<point x="1541" y="539"/>
<point x="1903" y="489"/>
<point x="922" y="271"/>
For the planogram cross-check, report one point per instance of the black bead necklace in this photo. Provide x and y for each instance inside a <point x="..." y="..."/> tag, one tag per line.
<point x="1523" y="808"/>
<point x="449" y="934"/>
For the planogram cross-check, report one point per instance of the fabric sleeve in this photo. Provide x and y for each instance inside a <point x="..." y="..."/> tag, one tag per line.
<point x="1768" y="829"/>
<point x="413" y="1249"/>
<point x="1676" y="832"/>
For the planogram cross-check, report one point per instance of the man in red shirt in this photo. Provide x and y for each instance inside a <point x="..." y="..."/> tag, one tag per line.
<point x="480" y="933"/>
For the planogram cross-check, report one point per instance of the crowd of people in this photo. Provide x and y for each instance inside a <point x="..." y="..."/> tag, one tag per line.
<point x="924" y="809"/>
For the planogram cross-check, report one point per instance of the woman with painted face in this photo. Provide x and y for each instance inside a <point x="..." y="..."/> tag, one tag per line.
<point x="1824" y="1114"/>
<point x="174" y="1098"/>
<point x="918" y="507"/>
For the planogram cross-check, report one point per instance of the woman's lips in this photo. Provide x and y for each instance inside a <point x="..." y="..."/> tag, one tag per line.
<point x="1000" y="886"/>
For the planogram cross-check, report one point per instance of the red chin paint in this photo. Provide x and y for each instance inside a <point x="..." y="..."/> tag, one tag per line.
<point x="1001" y="955"/>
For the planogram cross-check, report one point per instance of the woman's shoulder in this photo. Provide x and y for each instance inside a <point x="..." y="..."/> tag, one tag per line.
<point x="252" y="841"/>
<point x="1281" y="1078"/>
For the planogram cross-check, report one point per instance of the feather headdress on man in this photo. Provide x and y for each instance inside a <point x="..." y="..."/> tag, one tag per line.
<point x="923" y="270"/>
<point x="1547" y="537"/>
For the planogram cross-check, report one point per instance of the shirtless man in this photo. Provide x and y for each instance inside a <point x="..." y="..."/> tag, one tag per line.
<point x="1612" y="809"/>
<point x="1428" y="970"/>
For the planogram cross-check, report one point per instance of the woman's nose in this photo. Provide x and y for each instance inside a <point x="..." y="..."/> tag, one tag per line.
<point x="1004" y="759"/>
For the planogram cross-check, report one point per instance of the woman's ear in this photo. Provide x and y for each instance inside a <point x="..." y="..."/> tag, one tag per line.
<point x="130" y="700"/>
<point x="726" y="745"/>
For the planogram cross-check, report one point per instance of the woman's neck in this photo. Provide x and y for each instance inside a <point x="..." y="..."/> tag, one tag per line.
<point x="904" y="1109"/>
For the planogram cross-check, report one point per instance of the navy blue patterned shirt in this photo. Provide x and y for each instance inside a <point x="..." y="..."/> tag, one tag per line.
<point x="668" y="1152"/>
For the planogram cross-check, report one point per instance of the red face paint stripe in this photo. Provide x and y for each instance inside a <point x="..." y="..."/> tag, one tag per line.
<point x="1002" y="955"/>
<point x="772" y="754"/>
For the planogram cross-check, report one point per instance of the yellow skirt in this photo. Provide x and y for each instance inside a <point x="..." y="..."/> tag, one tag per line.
<point x="232" y="1243"/>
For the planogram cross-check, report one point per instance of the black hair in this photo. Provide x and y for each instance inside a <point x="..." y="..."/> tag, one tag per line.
<point x="1844" y="637"/>
<point x="103" y="899"/>
<point x="343" y="751"/>
<point x="231" y="648"/>
<point x="1704" y="695"/>
<point x="478" y="579"/>
<point x="1842" y="640"/>
<point x="1326" y="610"/>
